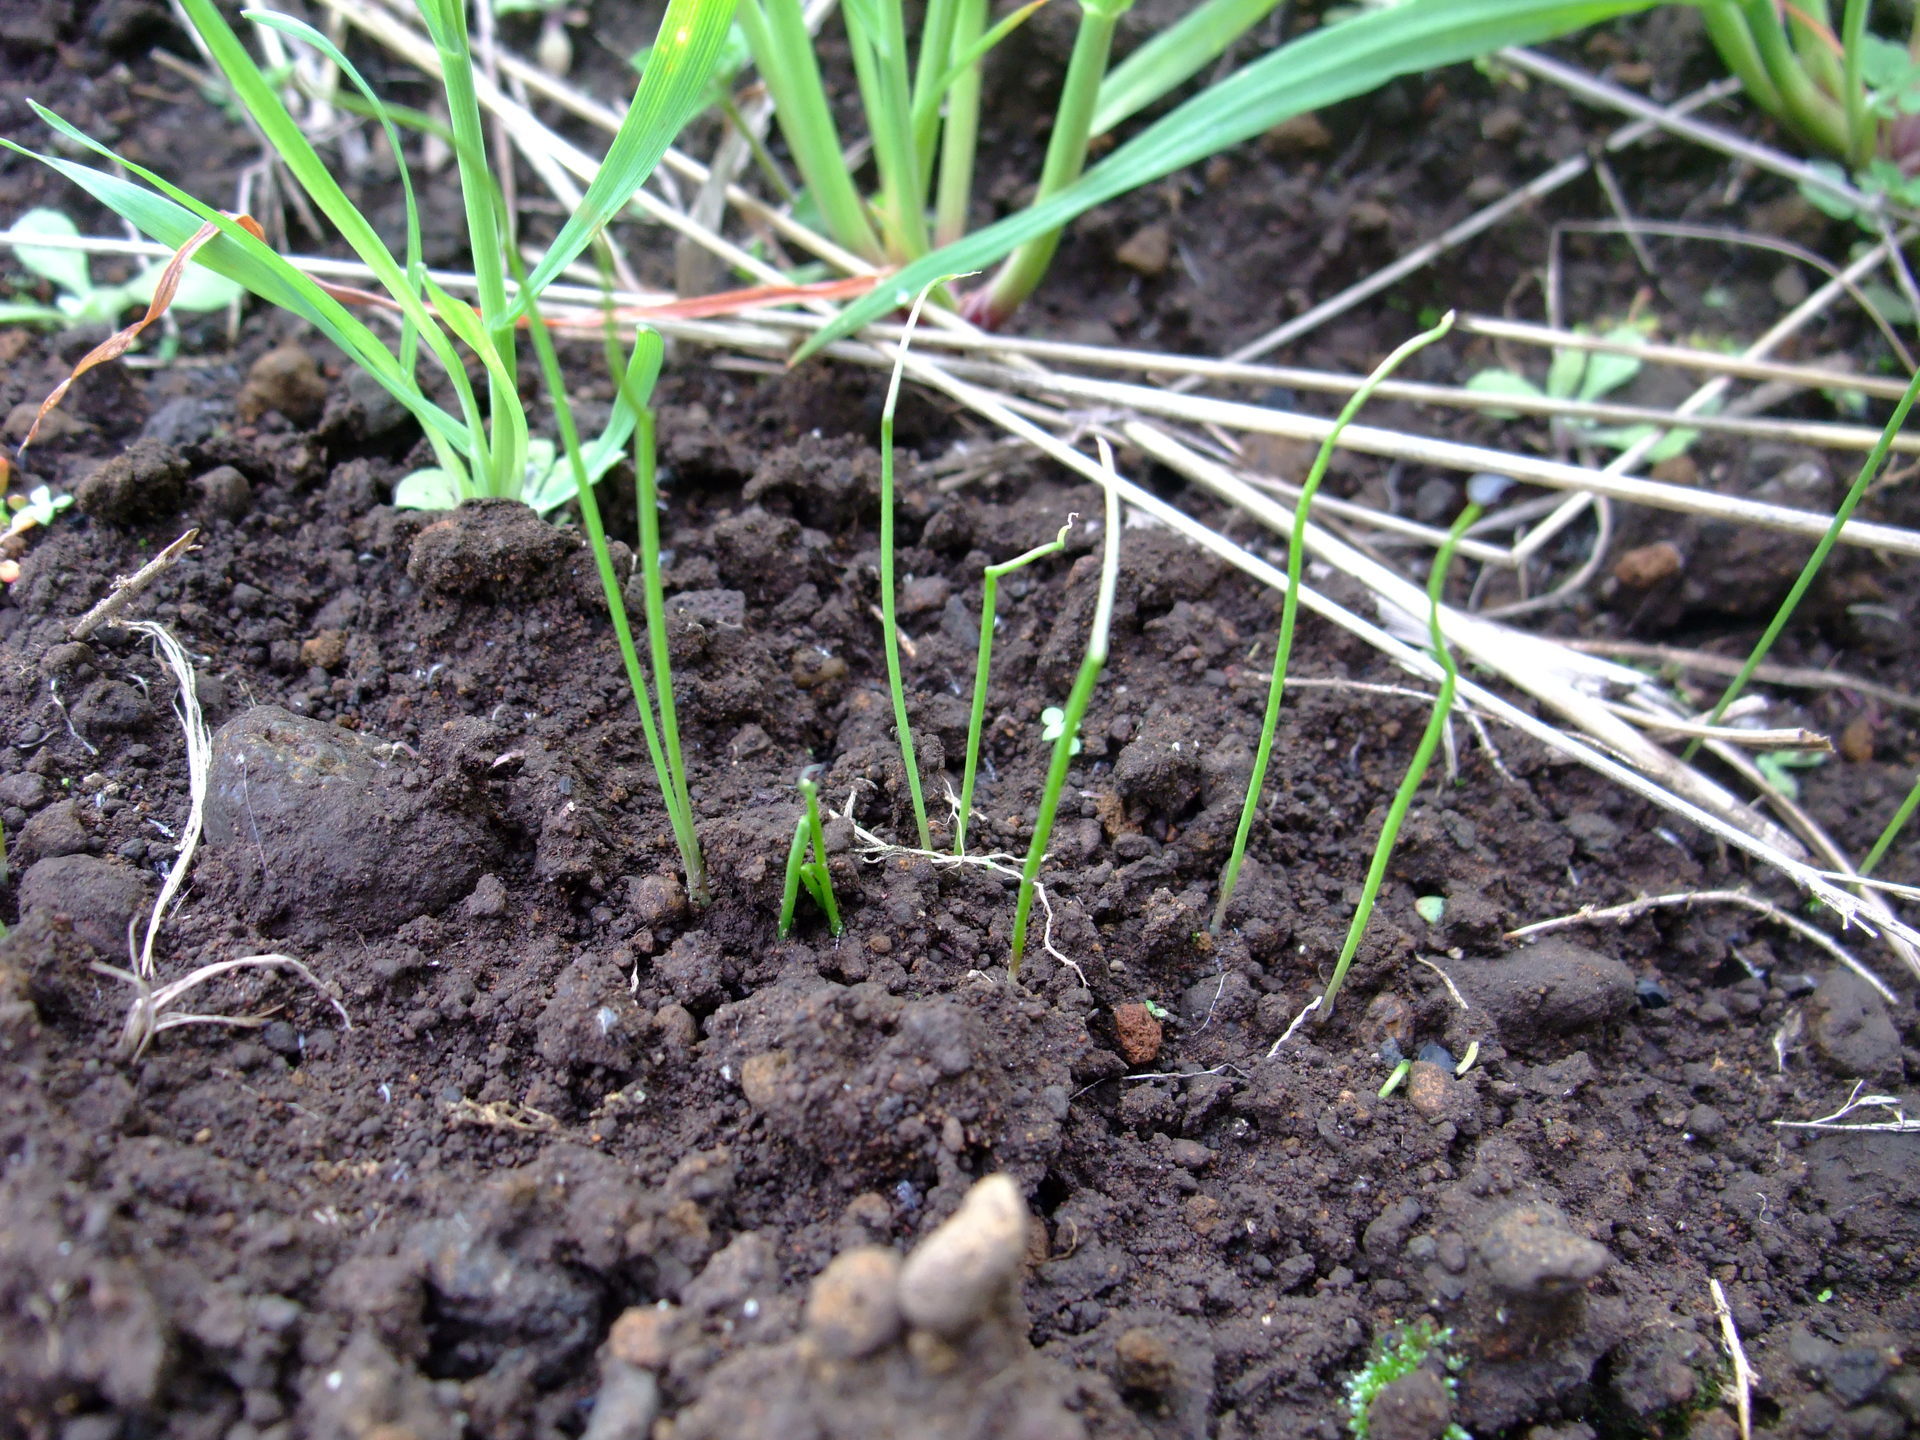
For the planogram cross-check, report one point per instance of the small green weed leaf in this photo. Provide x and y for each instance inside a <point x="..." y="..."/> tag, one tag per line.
<point x="1565" y="374"/>
<point x="65" y="268"/>
<point x="14" y="312"/>
<point x="429" y="489"/>
<point x="1778" y="767"/>
<point x="38" y="508"/>
<point x="1431" y="908"/>
<point x="1053" y="724"/>
<point x="1606" y="373"/>
<point x="199" y="290"/>
<point x="1823" y="199"/>
<point x="1504" y="382"/>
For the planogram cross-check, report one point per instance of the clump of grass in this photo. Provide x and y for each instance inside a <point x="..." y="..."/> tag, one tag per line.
<point x="653" y="686"/>
<point x="812" y="873"/>
<point x="1290" y="609"/>
<point x="482" y="450"/>
<point x="1482" y="491"/>
<point x="989" y="601"/>
<point x="1396" y="1355"/>
<point x="1078" y="699"/>
<point x="922" y="108"/>
<point x="1804" y="581"/>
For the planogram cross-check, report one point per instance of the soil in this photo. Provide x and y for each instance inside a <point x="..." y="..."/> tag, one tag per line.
<point x="581" y="1155"/>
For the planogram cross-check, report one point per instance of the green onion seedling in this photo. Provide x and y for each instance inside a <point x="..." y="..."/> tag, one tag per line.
<point x="1482" y="491"/>
<point x="1330" y="63"/>
<point x="635" y="381"/>
<point x="807" y="835"/>
<point x="1290" y="609"/>
<point x="889" y="619"/>
<point x="989" y="601"/>
<point x="1814" y="561"/>
<point x="1078" y="699"/>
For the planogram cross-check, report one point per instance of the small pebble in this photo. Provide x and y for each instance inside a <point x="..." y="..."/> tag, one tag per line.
<point x="1651" y="994"/>
<point x="953" y="1278"/>
<point x="1143" y="1361"/>
<point x="624" y="1409"/>
<point x="853" y="1306"/>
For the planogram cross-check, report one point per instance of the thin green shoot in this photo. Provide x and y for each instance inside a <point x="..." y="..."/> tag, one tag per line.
<point x="1290" y="609"/>
<point x="635" y="388"/>
<point x="1814" y="563"/>
<point x="1396" y="1078"/>
<point x="1078" y="699"/>
<point x="889" y="619"/>
<point x="1892" y="832"/>
<point x="1481" y="492"/>
<point x="989" y="600"/>
<point x="808" y="836"/>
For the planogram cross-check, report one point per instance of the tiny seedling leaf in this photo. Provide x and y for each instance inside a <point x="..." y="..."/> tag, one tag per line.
<point x="65" y="268"/>
<point x="1504" y="382"/>
<point x="429" y="489"/>
<point x="1431" y="908"/>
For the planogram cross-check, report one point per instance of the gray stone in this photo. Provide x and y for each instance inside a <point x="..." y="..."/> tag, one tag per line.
<point x="99" y="896"/>
<point x="323" y="828"/>
<point x="1852" y="1031"/>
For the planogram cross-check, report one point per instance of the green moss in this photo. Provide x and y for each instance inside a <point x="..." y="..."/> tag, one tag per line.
<point x="1397" y="1353"/>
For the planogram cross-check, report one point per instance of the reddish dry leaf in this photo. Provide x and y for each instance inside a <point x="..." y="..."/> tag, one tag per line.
<point x="114" y="346"/>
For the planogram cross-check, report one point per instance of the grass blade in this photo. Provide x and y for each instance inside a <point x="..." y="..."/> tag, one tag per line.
<point x="976" y="718"/>
<point x="673" y="88"/>
<point x="1075" y="711"/>
<point x="1815" y="561"/>
<point x="1174" y="56"/>
<point x="889" y="620"/>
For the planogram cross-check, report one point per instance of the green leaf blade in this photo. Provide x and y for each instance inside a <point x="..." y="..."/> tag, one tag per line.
<point x="693" y="34"/>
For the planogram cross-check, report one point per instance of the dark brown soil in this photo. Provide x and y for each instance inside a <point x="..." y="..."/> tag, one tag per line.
<point x="585" y="1148"/>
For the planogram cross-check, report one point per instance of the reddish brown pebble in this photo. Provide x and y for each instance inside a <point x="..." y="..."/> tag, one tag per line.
<point x="1139" y="1033"/>
<point x="639" y="1336"/>
<point x="1856" y="741"/>
<point x="1430" y="1090"/>
<point x="325" y="650"/>
<point x="1646" y="566"/>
